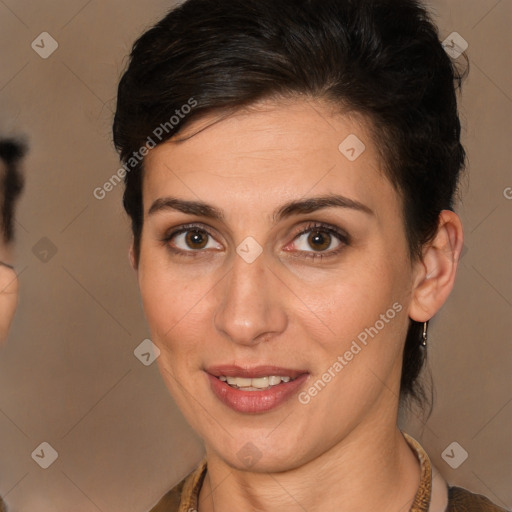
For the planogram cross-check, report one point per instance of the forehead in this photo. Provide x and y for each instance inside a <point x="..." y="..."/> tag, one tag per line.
<point x="274" y="149"/>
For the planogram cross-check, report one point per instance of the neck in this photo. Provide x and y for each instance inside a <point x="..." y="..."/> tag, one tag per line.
<point x="371" y="469"/>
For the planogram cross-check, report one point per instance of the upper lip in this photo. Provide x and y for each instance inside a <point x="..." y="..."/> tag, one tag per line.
<point x="232" y="370"/>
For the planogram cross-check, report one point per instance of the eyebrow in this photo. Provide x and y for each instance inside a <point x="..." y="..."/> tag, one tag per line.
<point x="297" y="207"/>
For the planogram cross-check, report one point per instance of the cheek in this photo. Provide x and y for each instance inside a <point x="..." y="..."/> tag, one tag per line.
<point x="176" y="306"/>
<point x="357" y="351"/>
<point x="355" y="299"/>
<point x="364" y="320"/>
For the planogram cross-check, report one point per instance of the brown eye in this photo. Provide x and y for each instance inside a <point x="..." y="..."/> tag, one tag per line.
<point x="191" y="240"/>
<point x="319" y="240"/>
<point x="196" y="239"/>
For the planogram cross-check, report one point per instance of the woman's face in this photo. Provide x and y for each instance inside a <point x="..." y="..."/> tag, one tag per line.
<point x="273" y="245"/>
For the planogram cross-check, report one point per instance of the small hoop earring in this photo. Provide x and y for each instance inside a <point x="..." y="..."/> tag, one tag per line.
<point x="424" y="335"/>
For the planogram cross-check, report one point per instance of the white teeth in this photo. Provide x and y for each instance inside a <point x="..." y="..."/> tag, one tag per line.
<point x="241" y="382"/>
<point x="256" y="383"/>
<point x="261" y="382"/>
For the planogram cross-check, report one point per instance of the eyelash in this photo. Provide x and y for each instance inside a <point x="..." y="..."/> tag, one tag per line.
<point x="324" y="228"/>
<point x="318" y="226"/>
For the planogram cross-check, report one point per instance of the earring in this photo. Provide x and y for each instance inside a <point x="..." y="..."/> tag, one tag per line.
<point x="424" y="335"/>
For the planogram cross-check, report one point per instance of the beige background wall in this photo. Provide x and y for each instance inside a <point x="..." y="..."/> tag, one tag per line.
<point x="68" y="375"/>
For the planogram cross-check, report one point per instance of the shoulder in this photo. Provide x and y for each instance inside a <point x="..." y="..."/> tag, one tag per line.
<point x="462" y="500"/>
<point x="170" y="501"/>
<point x="185" y="492"/>
<point x="183" y="496"/>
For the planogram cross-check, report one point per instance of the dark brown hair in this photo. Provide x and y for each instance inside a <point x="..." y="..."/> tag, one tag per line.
<point x="11" y="184"/>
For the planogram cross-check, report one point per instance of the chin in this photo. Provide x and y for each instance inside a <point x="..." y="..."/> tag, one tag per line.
<point x="259" y="453"/>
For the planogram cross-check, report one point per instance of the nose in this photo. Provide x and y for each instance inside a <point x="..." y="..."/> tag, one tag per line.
<point x="250" y="303"/>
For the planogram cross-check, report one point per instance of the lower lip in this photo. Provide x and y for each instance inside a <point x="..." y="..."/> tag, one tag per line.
<point x="255" y="401"/>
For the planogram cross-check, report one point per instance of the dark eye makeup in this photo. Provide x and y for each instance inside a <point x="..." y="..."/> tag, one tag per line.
<point x="198" y="234"/>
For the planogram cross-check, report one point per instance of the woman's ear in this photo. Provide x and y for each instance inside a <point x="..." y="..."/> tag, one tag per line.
<point x="132" y="257"/>
<point x="8" y="300"/>
<point x="435" y="273"/>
